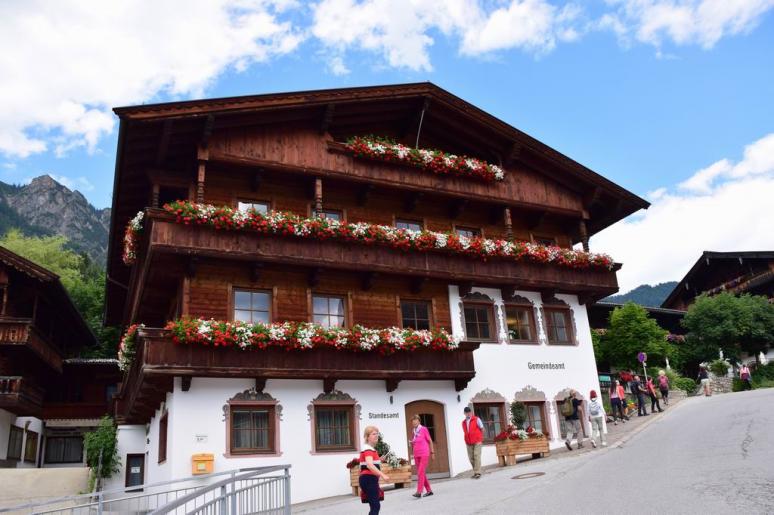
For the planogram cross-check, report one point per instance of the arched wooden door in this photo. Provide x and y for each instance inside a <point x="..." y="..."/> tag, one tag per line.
<point x="432" y="417"/>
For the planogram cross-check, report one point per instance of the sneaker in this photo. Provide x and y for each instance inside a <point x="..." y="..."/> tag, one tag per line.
<point x="417" y="495"/>
<point x="615" y="423"/>
<point x="427" y="494"/>
<point x="476" y="476"/>
<point x="594" y="444"/>
<point x="569" y="447"/>
<point x="604" y="444"/>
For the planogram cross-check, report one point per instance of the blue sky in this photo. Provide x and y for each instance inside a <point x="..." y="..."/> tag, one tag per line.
<point x="648" y="93"/>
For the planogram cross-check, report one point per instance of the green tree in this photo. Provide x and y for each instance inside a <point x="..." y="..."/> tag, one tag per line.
<point x="83" y="280"/>
<point x="102" y="450"/>
<point x="631" y="331"/>
<point x="728" y="323"/>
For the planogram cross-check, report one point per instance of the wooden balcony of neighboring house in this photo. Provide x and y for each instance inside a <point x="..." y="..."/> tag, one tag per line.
<point x="74" y="410"/>
<point x="20" y="396"/>
<point x="21" y="336"/>
<point x="158" y="360"/>
<point x="162" y="237"/>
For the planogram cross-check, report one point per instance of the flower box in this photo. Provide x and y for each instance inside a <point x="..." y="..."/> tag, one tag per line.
<point x="400" y="477"/>
<point x="508" y="449"/>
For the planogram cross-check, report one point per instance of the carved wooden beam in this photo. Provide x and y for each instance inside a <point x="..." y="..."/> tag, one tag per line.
<point x="255" y="184"/>
<point x="202" y="155"/>
<point x="507" y="291"/>
<point x="584" y="234"/>
<point x="417" y="283"/>
<point x="465" y="288"/>
<point x="318" y="195"/>
<point x="584" y="298"/>
<point x="411" y="201"/>
<point x="461" y="384"/>
<point x="329" y="383"/>
<point x="547" y="295"/>
<point x="391" y="384"/>
<point x="155" y="193"/>
<point x="508" y="223"/>
<point x="209" y="123"/>
<point x="368" y="280"/>
<point x="327" y="118"/>
<point x="592" y="197"/>
<point x="313" y="278"/>
<point x="363" y="193"/>
<point x="260" y="384"/>
<point x="161" y="152"/>
<point x="457" y="207"/>
<point x="186" y="383"/>
<point x="191" y="267"/>
<point x="255" y="271"/>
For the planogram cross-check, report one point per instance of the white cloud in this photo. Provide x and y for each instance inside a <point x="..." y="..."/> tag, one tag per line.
<point x="683" y="22"/>
<point x="66" y="63"/>
<point x="724" y="207"/>
<point x="337" y="67"/>
<point x="401" y="31"/>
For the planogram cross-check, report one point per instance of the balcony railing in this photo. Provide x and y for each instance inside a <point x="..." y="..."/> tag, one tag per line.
<point x="21" y="332"/>
<point x="158" y="360"/>
<point x="20" y="396"/>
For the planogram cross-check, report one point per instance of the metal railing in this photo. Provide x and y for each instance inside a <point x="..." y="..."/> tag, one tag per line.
<point x="247" y="490"/>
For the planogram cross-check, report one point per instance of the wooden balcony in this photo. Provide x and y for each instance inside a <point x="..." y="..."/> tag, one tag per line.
<point x="72" y="410"/>
<point x="21" y="334"/>
<point x="159" y="360"/>
<point x="20" y="396"/>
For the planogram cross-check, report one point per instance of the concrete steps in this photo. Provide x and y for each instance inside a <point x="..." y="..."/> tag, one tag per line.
<point x="19" y="486"/>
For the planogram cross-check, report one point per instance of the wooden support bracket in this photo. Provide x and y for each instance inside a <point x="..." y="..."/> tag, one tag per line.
<point x="461" y="384"/>
<point x="364" y="193"/>
<point x="410" y="204"/>
<point x="313" y="278"/>
<point x="391" y="384"/>
<point x="417" y="283"/>
<point x="465" y="288"/>
<point x="255" y="184"/>
<point x="457" y="207"/>
<point x="186" y="383"/>
<point x="329" y="383"/>
<point x="368" y="280"/>
<point x="255" y="272"/>
<point x="190" y="270"/>
<point x="260" y="384"/>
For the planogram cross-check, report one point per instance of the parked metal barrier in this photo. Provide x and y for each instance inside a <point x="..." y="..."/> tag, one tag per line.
<point x="235" y="492"/>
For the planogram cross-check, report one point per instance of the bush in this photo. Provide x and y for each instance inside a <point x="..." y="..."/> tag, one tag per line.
<point x="719" y="367"/>
<point x="102" y="450"/>
<point x="737" y="385"/>
<point x="764" y="371"/>
<point x="685" y="384"/>
<point x="518" y="414"/>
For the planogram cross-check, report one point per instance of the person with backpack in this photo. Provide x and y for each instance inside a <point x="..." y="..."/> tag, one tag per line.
<point x="663" y="386"/>
<point x="705" y="382"/>
<point x="596" y="418"/>
<point x="572" y="422"/>
<point x="654" y="404"/>
<point x="639" y="393"/>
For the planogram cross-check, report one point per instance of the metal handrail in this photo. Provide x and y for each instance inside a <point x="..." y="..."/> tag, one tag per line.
<point x="100" y="495"/>
<point x="214" y="486"/>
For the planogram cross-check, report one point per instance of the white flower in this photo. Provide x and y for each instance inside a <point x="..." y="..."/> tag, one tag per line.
<point x="205" y="327"/>
<point x="440" y="240"/>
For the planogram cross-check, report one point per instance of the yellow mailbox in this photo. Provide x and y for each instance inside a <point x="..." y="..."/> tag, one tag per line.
<point x="202" y="463"/>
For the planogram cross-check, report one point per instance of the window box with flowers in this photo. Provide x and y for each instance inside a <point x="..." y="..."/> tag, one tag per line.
<point x="397" y="469"/>
<point x="514" y="441"/>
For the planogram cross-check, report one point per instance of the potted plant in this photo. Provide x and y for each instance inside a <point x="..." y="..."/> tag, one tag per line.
<point x="398" y="469"/>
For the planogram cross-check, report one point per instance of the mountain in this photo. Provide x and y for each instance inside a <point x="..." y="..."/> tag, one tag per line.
<point x="645" y="294"/>
<point x="44" y="207"/>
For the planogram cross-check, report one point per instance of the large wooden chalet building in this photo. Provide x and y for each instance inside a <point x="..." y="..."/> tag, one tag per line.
<point x="283" y="218"/>
<point x="49" y="395"/>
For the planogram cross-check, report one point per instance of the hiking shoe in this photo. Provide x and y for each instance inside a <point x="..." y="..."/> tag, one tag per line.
<point x="417" y="495"/>
<point x="569" y="447"/>
<point x="428" y="494"/>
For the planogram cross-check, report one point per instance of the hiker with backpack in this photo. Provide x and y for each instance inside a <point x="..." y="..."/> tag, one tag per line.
<point x="596" y="418"/>
<point x="663" y="386"/>
<point x="572" y="422"/>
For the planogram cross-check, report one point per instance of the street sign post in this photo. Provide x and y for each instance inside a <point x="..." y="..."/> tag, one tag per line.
<point x="642" y="358"/>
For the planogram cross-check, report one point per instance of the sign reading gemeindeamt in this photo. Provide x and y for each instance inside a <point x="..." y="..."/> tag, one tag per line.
<point x="545" y="366"/>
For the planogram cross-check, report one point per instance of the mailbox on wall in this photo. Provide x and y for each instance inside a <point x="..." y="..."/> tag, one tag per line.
<point x="202" y="463"/>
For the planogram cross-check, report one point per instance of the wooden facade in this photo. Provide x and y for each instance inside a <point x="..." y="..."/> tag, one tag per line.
<point x="41" y="335"/>
<point x="286" y="153"/>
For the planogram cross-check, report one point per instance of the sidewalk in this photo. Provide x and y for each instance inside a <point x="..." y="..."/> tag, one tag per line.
<point x="400" y="501"/>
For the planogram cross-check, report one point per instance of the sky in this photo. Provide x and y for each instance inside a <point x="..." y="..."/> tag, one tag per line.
<point x="671" y="99"/>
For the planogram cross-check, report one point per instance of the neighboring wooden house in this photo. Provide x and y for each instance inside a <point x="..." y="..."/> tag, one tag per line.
<point x="48" y="395"/>
<point x="521" y="317"/>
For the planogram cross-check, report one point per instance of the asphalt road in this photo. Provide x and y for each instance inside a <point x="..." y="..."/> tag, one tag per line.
<point x="704" y="455"/>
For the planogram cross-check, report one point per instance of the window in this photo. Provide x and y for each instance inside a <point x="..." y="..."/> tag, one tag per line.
<point x="415" y="314"/>
<point x="558" y="326"/>
<point x="64" y="449"/>
<point x="536" y="416"/>
<point x="468" y="232"/>
<point x="15" y="443"/>
<point x="329" y="214"/>
<point x="410" y="225"/>
<point x="520" y="322"/>
<point x="328" y="311"/>
<point x="478" y="322"/>
<point x="492" y="415"/>
<point x="333" y="428"/>
<point x="252" y="306"/>
<point x="163" y="438"/>
<point x="31" y="447"/>
<point x="258" y="207"/>
<point x="252" y="429"/>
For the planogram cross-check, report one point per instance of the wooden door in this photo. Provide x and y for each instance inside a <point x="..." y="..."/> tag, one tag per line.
<point x="432" y="417"/>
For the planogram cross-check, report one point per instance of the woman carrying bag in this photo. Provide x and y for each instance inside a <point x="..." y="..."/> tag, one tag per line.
<point x="371" y="471"/>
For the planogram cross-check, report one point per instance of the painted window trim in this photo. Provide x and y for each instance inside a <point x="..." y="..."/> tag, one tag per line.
<point x="532" y="323"/>
<point x="163" y="423"/>
<point x="274" y="425"/>
<point x="343" y="400"/>
<point x="233" y="288"/>
<point x="503" y="416"/>
<point x="568" y="317"/>
<point x="493" y="329"/>
<point x="430" y="310"/>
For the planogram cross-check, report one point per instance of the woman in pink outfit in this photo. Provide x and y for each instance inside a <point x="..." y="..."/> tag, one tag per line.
<point x="422" y="445"/>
